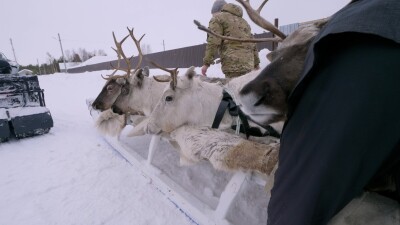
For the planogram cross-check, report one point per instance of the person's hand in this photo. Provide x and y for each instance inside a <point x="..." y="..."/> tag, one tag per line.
<point x="204" y="70"/>
<point x="256" y="67"/>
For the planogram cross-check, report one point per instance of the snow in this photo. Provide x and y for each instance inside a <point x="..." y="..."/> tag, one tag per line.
<point x="72" y="176"/>
<point x="16" y="112"/>
<point x="3" y="114"/>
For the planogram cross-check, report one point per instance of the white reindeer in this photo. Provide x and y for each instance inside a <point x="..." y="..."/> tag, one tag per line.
<point x="192" y="101"/>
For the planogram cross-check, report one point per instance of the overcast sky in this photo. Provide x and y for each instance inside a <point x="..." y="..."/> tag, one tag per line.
<point x="33" y="26"/>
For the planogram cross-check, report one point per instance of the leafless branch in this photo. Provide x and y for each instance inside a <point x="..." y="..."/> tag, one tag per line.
<point x="252" y="40"/>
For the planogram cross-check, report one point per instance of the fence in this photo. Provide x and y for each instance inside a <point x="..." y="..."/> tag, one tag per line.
<point x="181" y="57"/>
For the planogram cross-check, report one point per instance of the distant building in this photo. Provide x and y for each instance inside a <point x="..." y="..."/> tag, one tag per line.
<point x="69" y="65"/>
<point x="25" y="72"/>
<point x="91" y="61"/>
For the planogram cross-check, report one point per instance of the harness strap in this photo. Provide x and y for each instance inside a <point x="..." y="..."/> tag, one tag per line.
<point x="227" y="103"/>
<point x="256" y="132"/>
<point x="220" y="112"/>
<point x="271" y="132"/>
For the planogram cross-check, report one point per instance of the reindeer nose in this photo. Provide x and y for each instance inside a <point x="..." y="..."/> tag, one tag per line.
<point x="96" y="105"/>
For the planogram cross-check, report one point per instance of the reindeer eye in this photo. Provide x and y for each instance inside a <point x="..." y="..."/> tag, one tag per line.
<point x="168" y="98"/>
<point x="109" y="87"/>
<point x="124" y="91"/>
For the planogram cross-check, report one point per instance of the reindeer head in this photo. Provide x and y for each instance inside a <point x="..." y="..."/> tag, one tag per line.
<point x="110" y="92"/>
<point x="185" y="101"/>
<point x="132" y="92"/>
<point x="117" y="84"/>
<point x="264" y="99"/>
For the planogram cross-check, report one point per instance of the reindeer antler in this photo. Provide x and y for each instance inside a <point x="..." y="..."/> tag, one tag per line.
<point x="253" y="40"/>
<point x="121" y="54"/>
<point x="174" y="75"/>
<point x="260" y="21"/>
<point x="137" y="43"/>
<point x="257" y="19"/>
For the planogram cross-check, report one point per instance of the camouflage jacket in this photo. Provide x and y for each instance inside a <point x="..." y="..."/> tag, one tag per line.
<point x="235" y="57"/>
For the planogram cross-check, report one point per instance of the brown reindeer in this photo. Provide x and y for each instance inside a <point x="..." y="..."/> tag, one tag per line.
<point x="115" y="83"/>
<point x="108" y="122"/>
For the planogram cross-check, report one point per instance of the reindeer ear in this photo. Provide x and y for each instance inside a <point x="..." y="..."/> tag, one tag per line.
<point x="121" y="81"/>
<point x="137" y="78"/>
<point x="190" y="73"/>
<point x="146" y="71"/>
<point x="139" y="74"/>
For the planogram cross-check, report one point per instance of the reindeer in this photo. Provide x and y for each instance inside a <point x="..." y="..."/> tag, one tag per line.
<point x="109" y="122"/>
<point x="115" y="83"/>
<point x="189" y="100"/>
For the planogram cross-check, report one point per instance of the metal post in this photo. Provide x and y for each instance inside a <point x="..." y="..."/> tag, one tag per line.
<point x="275" y="45"/>
<point x="12" y="47"/>
<point x="65" y="65"/>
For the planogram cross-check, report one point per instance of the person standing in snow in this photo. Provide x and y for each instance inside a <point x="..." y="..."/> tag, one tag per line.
<point x="236" y="58"/>
<point x="342" y="135"/>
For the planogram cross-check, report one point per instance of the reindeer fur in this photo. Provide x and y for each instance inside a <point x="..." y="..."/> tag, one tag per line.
<point x="225" y="151"/>
<point x="109" y="123"/>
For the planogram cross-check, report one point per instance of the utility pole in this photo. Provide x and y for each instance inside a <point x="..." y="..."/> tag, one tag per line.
<point x="62" y="51"/>
<point x="274" y="44"/>
<point x="40" y="72"/>
<point x="12" y="47"/>
<point x="163" y="43"/>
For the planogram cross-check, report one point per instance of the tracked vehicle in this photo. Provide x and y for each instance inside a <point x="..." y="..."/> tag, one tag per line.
<point x="23" y="111"/>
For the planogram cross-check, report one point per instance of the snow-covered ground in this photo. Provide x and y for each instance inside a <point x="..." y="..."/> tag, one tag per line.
<point x="71" y="175"/>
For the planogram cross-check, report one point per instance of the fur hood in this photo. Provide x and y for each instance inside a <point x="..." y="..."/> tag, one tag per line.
<point x="233" y="9"/>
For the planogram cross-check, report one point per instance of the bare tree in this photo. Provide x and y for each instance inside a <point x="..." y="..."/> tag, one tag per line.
<point x="83" y="54"/>
<point x="101" y="52"/>
<point x="68" y="56"/>
<point x="52" y="62"/>
<point x="75" y="57"/>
